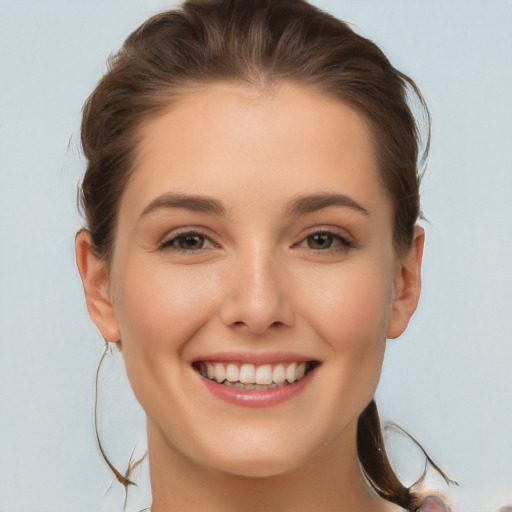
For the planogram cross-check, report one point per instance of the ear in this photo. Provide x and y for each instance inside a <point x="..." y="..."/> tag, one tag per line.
<point x="407" y="286"/>
<point x="96" y="283"/>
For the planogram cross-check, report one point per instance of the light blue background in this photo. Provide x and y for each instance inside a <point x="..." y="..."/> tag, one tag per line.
<point x="447" y="381"/>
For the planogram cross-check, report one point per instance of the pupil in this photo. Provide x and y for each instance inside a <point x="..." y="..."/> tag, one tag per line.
<point x="320" y="241"/>
<point x="191" y="242"/>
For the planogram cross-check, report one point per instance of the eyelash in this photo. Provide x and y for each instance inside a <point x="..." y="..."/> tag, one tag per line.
<point x="169" y="244"/>
<point x="338" y="242"/>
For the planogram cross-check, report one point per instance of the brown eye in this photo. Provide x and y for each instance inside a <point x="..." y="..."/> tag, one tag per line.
<point x="326" y="241"/>
<point x="189" y="242"/>
<point x="320" y="241"/>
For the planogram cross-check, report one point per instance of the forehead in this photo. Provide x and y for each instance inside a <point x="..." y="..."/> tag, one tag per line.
<point x="286" y="141"/>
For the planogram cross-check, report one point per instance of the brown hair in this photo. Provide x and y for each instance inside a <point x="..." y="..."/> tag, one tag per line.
<point x="258" y="42"/>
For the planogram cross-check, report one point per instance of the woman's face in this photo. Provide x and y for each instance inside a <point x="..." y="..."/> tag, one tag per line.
<point x="254" y="244"/>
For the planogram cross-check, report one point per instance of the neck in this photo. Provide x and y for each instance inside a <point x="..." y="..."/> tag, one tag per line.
<point x="330" y="480"/>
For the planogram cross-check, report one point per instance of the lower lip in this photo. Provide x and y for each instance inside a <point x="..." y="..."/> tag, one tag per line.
<point x="257" y="397"/>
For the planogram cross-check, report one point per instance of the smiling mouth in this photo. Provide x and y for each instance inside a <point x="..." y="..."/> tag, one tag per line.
<point x="251" y="376"/>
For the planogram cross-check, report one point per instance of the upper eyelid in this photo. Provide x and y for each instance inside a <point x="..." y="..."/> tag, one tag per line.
<point x="328" y="230"/>
<point x="187" y="230"/>
<point x="167" y="242"/>
<point x="343" y="239"/>
<point x="335" y="231"/>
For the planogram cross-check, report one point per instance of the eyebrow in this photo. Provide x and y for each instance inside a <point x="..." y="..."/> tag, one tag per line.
<point x="193" y="203"/>
<point x="300" y="205"/>
<point x="315" y="202"/>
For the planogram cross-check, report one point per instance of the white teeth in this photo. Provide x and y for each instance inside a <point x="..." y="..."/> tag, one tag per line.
<point x="232" y="373"/>
<point x="291" y="373"/>
<point x="264" y="374"/>
<point x="250" y="376"/>
<point x="279" y="374"/>
<point x="219" y="373"/>
<point x="247" y="374"/>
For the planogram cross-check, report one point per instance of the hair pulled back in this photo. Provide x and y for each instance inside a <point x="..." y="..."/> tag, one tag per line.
<point x="261" y="43"/>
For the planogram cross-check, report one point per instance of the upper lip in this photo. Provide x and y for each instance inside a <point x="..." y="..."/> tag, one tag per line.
<point x="258" y="358"/>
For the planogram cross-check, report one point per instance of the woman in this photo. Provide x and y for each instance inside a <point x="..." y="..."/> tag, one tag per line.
<point x="251" y="200"/>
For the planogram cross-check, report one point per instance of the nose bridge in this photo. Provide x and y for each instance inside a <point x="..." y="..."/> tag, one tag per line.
<point x="256" y="296"/>
<point x="261" y="278"/>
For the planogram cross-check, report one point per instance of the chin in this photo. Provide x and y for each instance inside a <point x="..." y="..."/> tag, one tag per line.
<point x="257" y="466"/>
<point x="263" y="459"/>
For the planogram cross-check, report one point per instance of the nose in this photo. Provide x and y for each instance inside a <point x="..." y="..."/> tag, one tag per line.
<point x="257" y="294"/>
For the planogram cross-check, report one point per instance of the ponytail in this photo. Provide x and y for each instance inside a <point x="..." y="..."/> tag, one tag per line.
<point x="375" y="463"/>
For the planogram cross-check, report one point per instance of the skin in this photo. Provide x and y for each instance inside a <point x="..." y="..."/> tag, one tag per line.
<point x="260" y="283"/>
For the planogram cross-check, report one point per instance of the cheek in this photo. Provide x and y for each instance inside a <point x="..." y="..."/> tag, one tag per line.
<point x="159" y="308"/>
<point x="349" y="306"/>
<point x="349" y="310"/>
